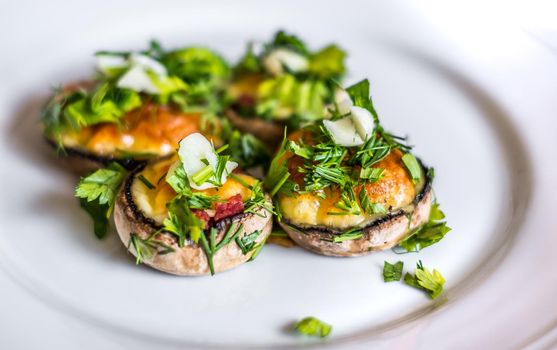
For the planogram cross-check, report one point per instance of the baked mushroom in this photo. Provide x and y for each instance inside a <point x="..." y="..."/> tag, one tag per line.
<point x="137" y="108"/>
<point x="190" y="214"/>
<point x="346" y="187"/>
<point x="282" y="84"/>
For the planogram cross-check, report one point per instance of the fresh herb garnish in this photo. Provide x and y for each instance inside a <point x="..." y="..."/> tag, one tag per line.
<point x="413" y="167"/>
<point x="430" y="233"/>
<point x="349" y="235"/>
<point x="247" y="243"/>
<point x="392" y="272"/>
<point x="182" y="222"/>
<point x="313" y="327"/>
<point x="368" y="206"/>
<point x="247" y="150"/>
<point x="257" y="200"/>
<point x="372" y="174"/>
<point x="147" y="248"/>
<point x="210" y="247"/>
<point x="97" y="194"/>
<point x="431" y="282"/>
<point x="203" y="175"/>
<point x="146" y="182"/>
<point x="347" y="203"/>
<point x="278" y="173"/>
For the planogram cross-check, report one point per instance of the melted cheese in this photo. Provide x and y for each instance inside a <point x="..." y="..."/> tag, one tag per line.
<point x="395" y="191"/>
<point x="153" y="202"/>
<point x="147" y="130"/>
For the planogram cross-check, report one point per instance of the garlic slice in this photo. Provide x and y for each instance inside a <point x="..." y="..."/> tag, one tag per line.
<point x="148" y="63"/>
<point x="343" y="101"/>
<point x="138" y="80"/>
<point x="352" y="130"/>
<point x="193" y="150"/>
<point x="343" y="132"/>
<point x="106" y="62"/>
<point x="363" y="121"/>
<point x="278" y="58"/>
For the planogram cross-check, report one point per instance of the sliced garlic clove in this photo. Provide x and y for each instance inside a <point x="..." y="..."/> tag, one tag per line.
<point x="343" y="101"/>
<point x="343" y="132"/>
<point x="229" y="168"/>
<point x="363" y="121"/>
<point x="148" y="63"/>
<point x="278" y="58"/>
<point x="193" y="149"/>
<point x="107" y="62"/>
<point x="138" y="80"/>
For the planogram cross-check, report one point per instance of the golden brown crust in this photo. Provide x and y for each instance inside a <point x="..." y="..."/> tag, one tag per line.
<point x="189" y="260"/>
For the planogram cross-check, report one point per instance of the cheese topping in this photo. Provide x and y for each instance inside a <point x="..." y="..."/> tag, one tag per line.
<point x="153" y="202"/>
<point x="395" y="191"/>
<point x="148" y="130"/>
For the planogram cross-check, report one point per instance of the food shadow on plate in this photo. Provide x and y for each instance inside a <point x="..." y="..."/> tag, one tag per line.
<point x="63" y="205"/>
<point x="25" y="137"/>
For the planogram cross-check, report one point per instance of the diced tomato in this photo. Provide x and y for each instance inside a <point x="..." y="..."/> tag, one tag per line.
<point x="233" y="206"/>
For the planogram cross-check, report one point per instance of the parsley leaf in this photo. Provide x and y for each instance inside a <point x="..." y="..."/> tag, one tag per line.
<point x="248" y="242"/>
<point x="247" y="150"/>
<point x="327" y="62"/>
<point x="313" y="327"/>
<point x="430" y="282"/>
<point x="97" y="193"/>
<point x="182" y="222"/>
<point x="177" y="178"/>
<point x="360" y="95"/>
<point x="430" y="233"/>
<point x="392" y="272"/>
<point x="278" y="172"/>
<point x="413" y="167"/>
<point x="196" y="64"/>
<point x="290" y="41"/>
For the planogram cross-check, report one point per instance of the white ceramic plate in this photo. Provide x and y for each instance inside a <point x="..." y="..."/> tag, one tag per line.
<point x="489" y="183"/>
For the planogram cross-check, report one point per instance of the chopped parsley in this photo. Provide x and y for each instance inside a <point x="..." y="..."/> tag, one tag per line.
<point x="430" y="233"/>
<point x="430" y="282"/>
<point x="247" y="243"/>
<point x="97" y="193"/>
<point x="369" y="207"/>
<point x="312" y="326"/>
<point x="182" y="222"/>
<point x="392" y="272"/>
